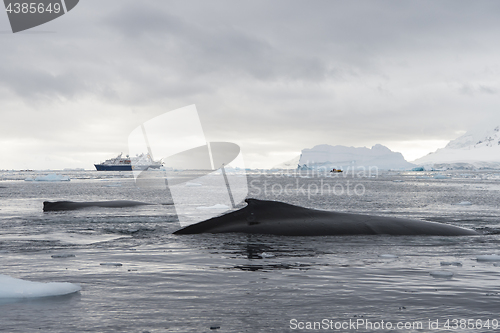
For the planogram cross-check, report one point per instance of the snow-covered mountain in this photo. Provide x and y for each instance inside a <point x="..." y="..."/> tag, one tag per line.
<point x="479" y="148"/>
<point x="343" y="157"/>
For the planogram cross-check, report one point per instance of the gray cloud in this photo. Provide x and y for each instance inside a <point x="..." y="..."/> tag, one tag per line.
<point x="274" y="76"/>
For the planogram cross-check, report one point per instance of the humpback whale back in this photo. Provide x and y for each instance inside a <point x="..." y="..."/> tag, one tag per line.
<point x="278" y="218"/>
<point x="72" y="205"/>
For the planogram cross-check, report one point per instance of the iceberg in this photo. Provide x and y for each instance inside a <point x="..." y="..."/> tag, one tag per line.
<point x="16" y="288"/>
<point x="326" y="156"/>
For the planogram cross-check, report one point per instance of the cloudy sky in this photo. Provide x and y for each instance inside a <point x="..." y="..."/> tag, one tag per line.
<point x="273" y="76"/>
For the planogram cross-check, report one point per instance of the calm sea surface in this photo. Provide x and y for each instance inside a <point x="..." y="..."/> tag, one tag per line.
<point x="252" y="283"/>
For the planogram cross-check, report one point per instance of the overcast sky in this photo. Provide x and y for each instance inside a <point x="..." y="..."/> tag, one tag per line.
<point x="273" y="76"/>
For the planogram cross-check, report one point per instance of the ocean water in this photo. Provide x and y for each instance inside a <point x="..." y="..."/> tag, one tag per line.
<point x="253" y="283"/>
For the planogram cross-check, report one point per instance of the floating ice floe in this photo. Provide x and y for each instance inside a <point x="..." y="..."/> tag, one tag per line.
<point x="387" y="256"/>
<point x="16" y="288"/>
<point x="464" y="203"/>
<point x="488" y="257"/>
<point x="441" y="274"/>
<point x="188" y="184"/>
<point x="451" y="263"/>
<point x="52" y="177"/>
<point x="113" y="185"/>
<point x="217" y="206"/>
<point x="441" y="177"/>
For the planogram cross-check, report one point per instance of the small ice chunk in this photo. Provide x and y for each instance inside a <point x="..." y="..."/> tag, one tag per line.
<point x="188" y="184"/>
<point x="451" y="263"/>
<point x="16" y="288"/>
<point x="116" y="264"/>
<point x="398" y="181"/>
<point x="267" y="255"/>
<point x="441" y="177"/>
<point x="441" y="274"/>
<point x="488" y="257"/>
<point x="63" y="255"/>
<point x="52" y="178"/>
<point x="387" y="256"/>
<point x="113" y="185"/>
<point x="464" y="203"/>
<point x="217" y="206"/>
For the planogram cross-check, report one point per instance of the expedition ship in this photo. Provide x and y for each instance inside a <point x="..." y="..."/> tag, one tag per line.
<point x="119" y="163"/>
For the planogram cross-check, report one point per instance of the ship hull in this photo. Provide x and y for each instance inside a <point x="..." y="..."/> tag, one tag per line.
<point x="102" y="167"/>
<point x="124" y="167"/>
